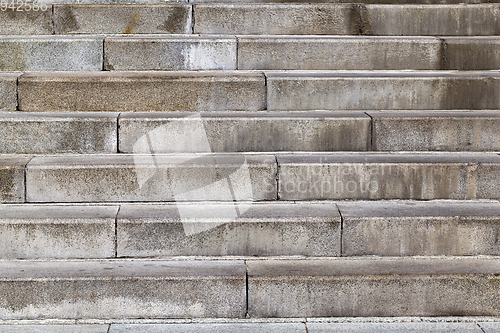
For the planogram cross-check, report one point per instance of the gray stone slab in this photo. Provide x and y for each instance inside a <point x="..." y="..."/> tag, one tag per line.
<point x="212" y="328"/>
<point x="12" y="182"/>
<point x="39" y="231"/>
<point x="472" y="53"/>
<point x="374" y="287"/>
<point x="242" y="229"/>
<point x="422" y="228"/>
<point x="375" y="176"/>
<point x="244" y="131"/>
<point x="388" y="90"/>
<point x="26" y="22"/>
<point x="170" y="53"/>
<point x="490" y="327"/>
<point x="51" y="53"/>
<point x="425" y="20"/>
<point x="436" y="130"/>
<point x="8" y="91"/>
<point x="122" y="19"/>
<point x="335" y="52"/>
<point x="145" y="91"/>
<point x="274" y="19"/>
<point x="417" y="327"/>
<point x="151" y="177"/>
<point x="118" y="289"/>
<point x="54" y="328"/>
<point x="69" y="132"/>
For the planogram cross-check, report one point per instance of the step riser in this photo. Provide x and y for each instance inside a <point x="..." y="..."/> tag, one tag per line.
<point x="149" y="92"/>
<point x="8" y="92"/>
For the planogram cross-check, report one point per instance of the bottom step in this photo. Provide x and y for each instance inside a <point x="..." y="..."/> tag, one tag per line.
<point x="258" y="288"/>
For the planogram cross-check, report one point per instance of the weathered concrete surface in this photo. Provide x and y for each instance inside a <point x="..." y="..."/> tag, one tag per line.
<point x="274" y="19"/>
<point x="335" y="52"/>
<point x="39" y="231"/>
<point x="54" y="328"/>
<point x="122" y="19"/>
<point x="422" y="228"/>
<point x="472" y="53"/>
<point x="389" y="90"/>
<point x="145" y="91"/>
<point x="151" y="178"/>
<point x="23" y="22"/>
<point x="170" y="53"/>
<point x="374" y="287"/>
<point x="8" y="91"/>
<point x="244" y="131"/>
<point x="69" y="132"/>
<point x="436" y="130"/>
<point x="212" y="328"/>
<point x="416" y="327"/>
<point x="51" y="53"/>
<point x="374" y="176"/>
<point x="12" y="178"/>
<point x="242" y="229"/>
<point x="424" y="20"/>
<point x="119" y="289"/>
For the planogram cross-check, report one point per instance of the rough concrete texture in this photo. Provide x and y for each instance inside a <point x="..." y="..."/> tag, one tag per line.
<point x="424" y="20"/>
<point x="51" y="53"/>
<point x="436" y="130"/>
<point x="26" y="22"/>
<point x="58" y="328"/>
<point x="170" y="53"/>
<point x="422" y="228"/>
<point x="374" y="287"/>
<point x="145" y="91"/>
<point x="212" y="328"/>
<point x="122" y="19"/>
<point x="39" y="231"/>
<point x="243" y="229"/>
<point x="393" y="327"/>
<point x="490" y="327"/>
<point x="390" y="90"/>
<point x="472" y="53"/>
<point x="8" y="91"/>
<point x="334" y="52"/>
<point x="274" y="19"/>
<point x="122" y="289"/>
<point x="71" y="132"/>
<point x="244" y="131"/>
<point x="151" y="177"/>
<point x="375" y="176"/>
<point x="12" y="178"/>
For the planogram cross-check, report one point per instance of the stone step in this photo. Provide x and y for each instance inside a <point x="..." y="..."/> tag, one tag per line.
<point x="347" y="19"/>
<point x="182" y="132"/>
<point x="436" y="286"/>
<point x="246" y="90"/>
<point x="52" y="132"/>
<point x="57" y="231"/>
<point x="420" y="228"/>
<point x="382" y="90"/>
<point x="337" y="53"/>
<point x="145" y="91"/>
<point x="51" y="53"/>
<point x="12" y="178"/>
<point x="102" y="289"/>
<point x="151" y="177"/>
<point x="452" y="19"/>
<point x="375" y="176"/>
<point x="8" y="91"/>
<point x="264" y="325"/>
<point x="289" y="288"/>
<point x="435" y="130"/>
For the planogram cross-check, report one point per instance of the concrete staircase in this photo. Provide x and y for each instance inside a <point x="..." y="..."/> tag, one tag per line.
<point x="240" y="166"/>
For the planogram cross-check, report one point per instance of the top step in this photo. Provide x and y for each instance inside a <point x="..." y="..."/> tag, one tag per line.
<point x="253" y="18"/>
